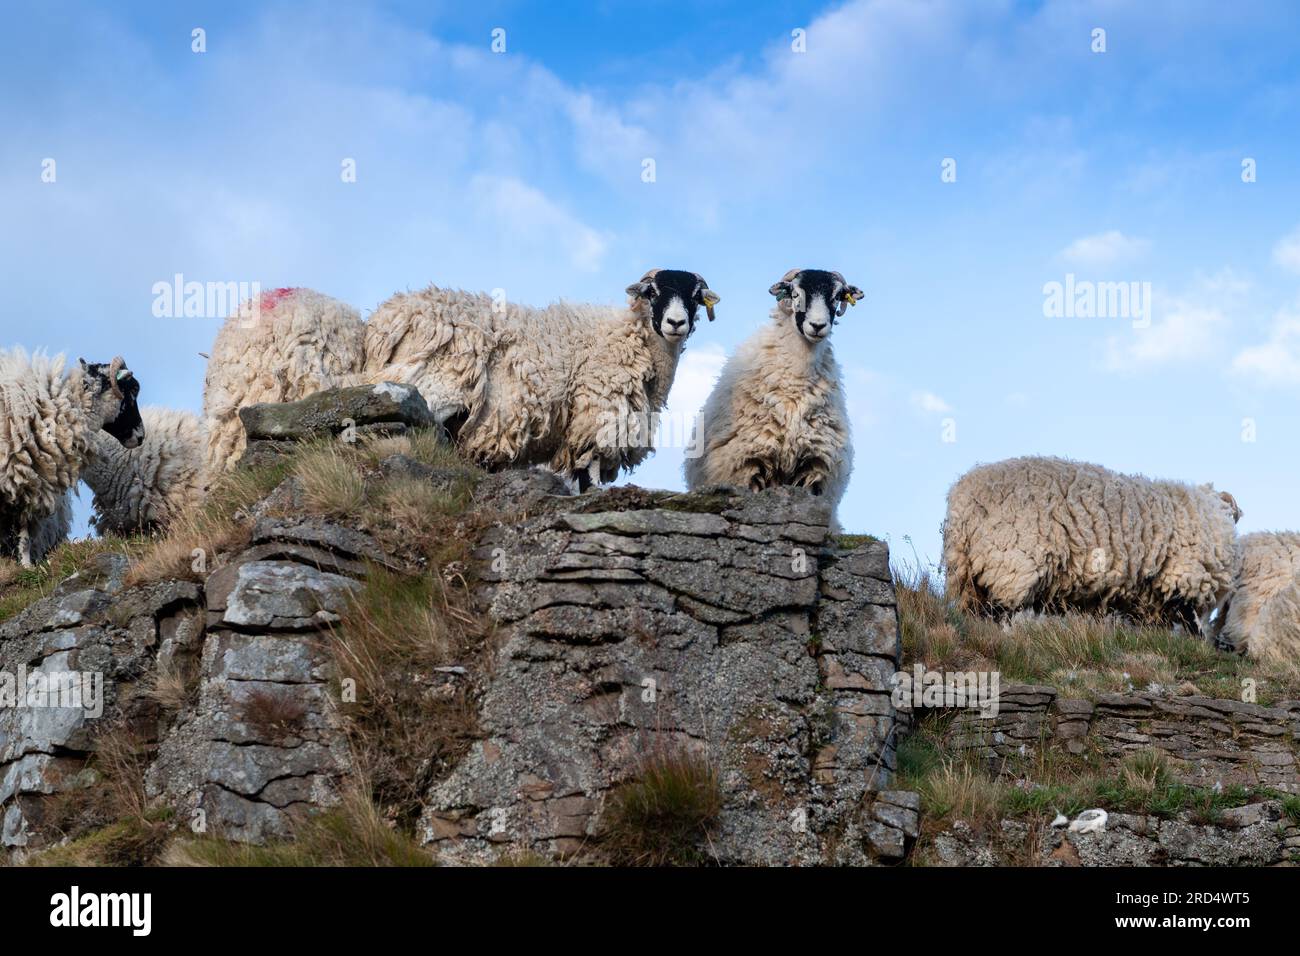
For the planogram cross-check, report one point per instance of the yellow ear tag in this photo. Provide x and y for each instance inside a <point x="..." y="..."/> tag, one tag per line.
<point x="852" y="301"/>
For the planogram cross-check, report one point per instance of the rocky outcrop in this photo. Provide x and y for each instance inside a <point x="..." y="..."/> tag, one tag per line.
<point x="263" y="743"/>
<point x="386" y="408"/>
<point x="719" y="624"/>
<point x="1210" y="743"/>
<point x="1257" y="834"/>
<point x="71" y="664"/>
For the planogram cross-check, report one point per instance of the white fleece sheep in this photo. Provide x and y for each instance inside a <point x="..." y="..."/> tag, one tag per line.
<point x="1262" y="616"/>
<point x="1048" y="533"/>
<point x="777" y="414"/>
<point x="47" y="420"/>
<point x="147" y="488"/>
<point x="280" y="347"/>
<point x="570" y="386"/>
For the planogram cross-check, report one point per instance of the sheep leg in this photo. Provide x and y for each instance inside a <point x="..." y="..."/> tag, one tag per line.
<point x="25" y="545"/>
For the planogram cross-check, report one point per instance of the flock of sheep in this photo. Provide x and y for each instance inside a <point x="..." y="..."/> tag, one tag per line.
<point x="577" y="388"/>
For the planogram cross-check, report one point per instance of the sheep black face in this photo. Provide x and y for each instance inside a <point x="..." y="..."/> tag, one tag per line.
<point x="114" y="392"/>
<point x="815" y="298"/>
<point x="675" y="298"/>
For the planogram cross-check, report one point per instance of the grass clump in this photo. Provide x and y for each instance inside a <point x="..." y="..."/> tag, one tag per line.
<point x="406" y="729"/>
<point x="104" y="817"/>
<point x="664" y="816"/>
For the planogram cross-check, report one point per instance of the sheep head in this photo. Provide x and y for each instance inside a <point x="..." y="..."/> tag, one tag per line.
<point x="815" y="298"/>
<point x="674" y="297"/>
<point x="113" y="390"/>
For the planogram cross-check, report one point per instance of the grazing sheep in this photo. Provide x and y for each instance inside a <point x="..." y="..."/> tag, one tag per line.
<point x="777" y="415"/>
<point x="1262" y="616"/>
<point x="1046" y="533"/>
<point x="280" y="347"/>
<point x="574" y="387"/>
<point x="146" y="489"/>
<point x="48" y="420"/>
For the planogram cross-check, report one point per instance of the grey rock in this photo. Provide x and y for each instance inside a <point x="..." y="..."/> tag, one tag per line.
<point x="330" y="412"/>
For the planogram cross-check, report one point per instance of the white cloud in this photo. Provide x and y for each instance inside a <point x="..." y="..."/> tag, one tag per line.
<point x="1287" y="251"/>
<point x="930" y="403"/>
<point x="696" y="373"/>
<point x="1184" y="328"/>
<point x="1104" y="248"/>
<point x="526" y="217"/>
<point x="1277" y="361"/>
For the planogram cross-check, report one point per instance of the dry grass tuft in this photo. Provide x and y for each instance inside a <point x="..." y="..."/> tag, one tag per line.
<point x="664" y="816"/>
<point x="107" y="820"/>
<point x="331" y="482"/>
<point x="274" y="714"/>
<point x="405" y="728"/>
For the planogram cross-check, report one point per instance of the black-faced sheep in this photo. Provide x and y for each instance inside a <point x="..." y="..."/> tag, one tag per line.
<point x="280" y="347"/>
<point x="49" y="419"/>
<point x="574" y="387"/>
<point x="777" y="414"/>
<point x="1048" y="533"/>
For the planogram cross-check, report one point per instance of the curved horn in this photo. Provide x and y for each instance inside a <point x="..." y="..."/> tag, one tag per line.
<point x="644" y="286"/>
<point x="114" y="368"/>
<point x="783" y="288"/>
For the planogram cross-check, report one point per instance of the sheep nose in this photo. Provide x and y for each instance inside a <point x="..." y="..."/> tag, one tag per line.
<point x="817" y="326"/>
<point x="676" y="324"/>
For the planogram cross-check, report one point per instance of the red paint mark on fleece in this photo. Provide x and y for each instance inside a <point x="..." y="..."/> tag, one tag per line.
<point x="271" y="299"/>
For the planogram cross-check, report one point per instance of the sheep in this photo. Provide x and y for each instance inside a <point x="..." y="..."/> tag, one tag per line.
<point x="50" y="532"/>
<point x="146" y="490"/>
<point x="1046" y="533"/>
<point x="1262" y="615"/>
<point x="280" y="347"/>
<point x="48" y="420"/>
<point x="777" y="414"/>
<point x="575" y="387"/>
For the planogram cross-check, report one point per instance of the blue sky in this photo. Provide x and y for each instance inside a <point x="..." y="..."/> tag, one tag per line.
<point x="522" y="171"/>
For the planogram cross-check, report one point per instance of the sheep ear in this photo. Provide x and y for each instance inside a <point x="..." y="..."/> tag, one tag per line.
<point x="782" y="289"/>
<point x="84" y="366"/>
<point x="851" y="294"/>
<point x="642" y="290"/>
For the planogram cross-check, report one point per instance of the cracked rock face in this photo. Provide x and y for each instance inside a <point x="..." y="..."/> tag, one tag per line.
<point x="90" y="635"/>
<point x="718" y="624"/>
<point x="1258" y="834"/>
<point x="264" y="743"/>
<point x="1210" y="742"/>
